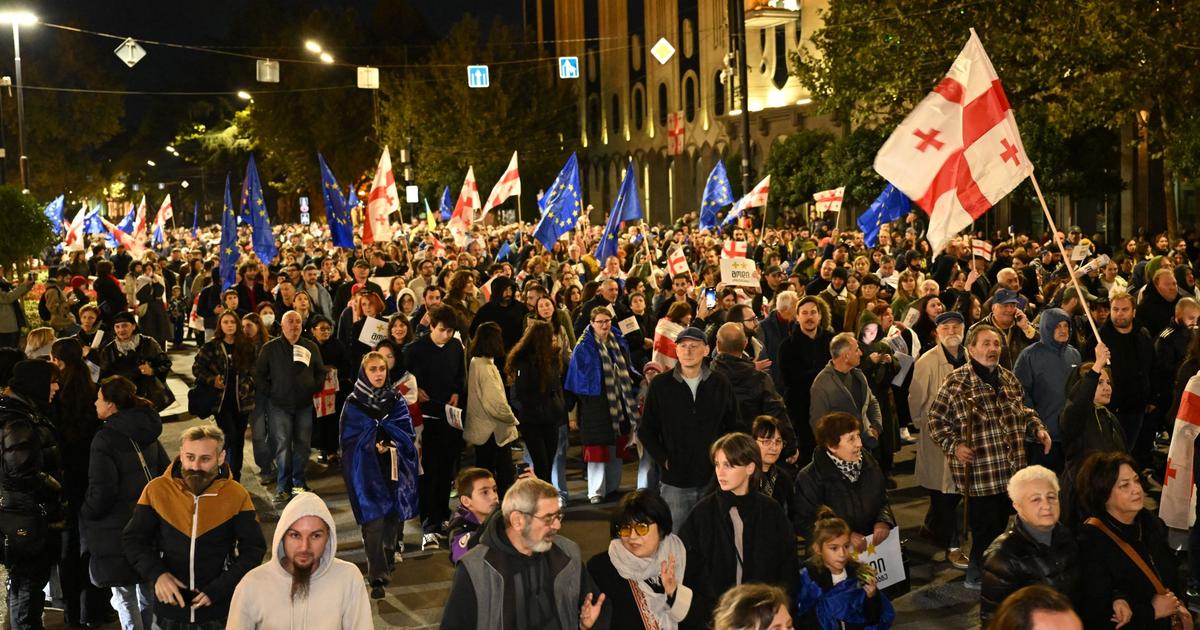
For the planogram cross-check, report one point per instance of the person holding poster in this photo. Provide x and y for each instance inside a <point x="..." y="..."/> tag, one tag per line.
<point x="339" y="380"/>
<point x="835" y="589"/>
<point x="370" y="329"/>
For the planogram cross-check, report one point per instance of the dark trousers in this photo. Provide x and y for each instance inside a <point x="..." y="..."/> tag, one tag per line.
<point x="82" y="602"/>
<point x="541" y="440"/>
<point x="1131" y="424"/>
<point x="806" y="442"/>
<point x="379" y="543"/>
<point x="497" y="459"/>
<point x="1055" y="460"/>
<point x="942" y="518"/>
<point x="26" y="581"/>
<point x="441" y="446"/>
<point x="233" y="423"/>
<point x="988" y="517"/>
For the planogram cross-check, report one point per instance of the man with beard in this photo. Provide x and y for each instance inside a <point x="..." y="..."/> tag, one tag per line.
<point x="522" y="575"/>
<point x="250" y="290"/>
<point x="977" y="417"/>
<point x="303" y="585"/>
<point x="801" y="357"/>
<point x="502" y="308"/>
<point x="1132" y="350"/>
<point x="185" y="529"/>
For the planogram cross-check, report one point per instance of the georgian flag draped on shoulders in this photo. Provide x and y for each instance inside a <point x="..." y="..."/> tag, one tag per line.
<point x="959" y="152"/>
<point x="382" y="201"/>
<point x="1176" y="506"/>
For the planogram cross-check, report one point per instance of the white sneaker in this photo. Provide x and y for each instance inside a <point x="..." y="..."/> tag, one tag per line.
<point x="906" y="437"/>
<point x="429" y="541"/>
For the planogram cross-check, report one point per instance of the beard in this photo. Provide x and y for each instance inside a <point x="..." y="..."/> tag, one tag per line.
<point x="301" y="577"/>
<point x="952" y="341"/>
<point x="198" y="480"/>
<point x="538" y="546"/>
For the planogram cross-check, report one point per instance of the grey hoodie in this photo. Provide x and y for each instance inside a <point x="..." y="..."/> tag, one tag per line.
<point x="337" y="593"/>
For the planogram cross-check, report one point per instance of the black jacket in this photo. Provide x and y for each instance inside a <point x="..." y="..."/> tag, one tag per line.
<point x="1015" y="560"/>
<point x="152" y="387"/>
<point x="768" y="548"/>
<point x="510" y="317"/>
<point x="677" y="430"/>
<point x="441" y="372"/>
<point x="801" y="358"/>
<point x="756" y="396"/>
<point x="286" y="383"/>
<point x="1131" y="353"/>
<point x="115" y="481"/>
<point x="861" y="503"/>
<point x="32" y="464"/>
<point x="536" y="406"/>
<point x="1108" y="574"/>
<point x="1170" y="349"/>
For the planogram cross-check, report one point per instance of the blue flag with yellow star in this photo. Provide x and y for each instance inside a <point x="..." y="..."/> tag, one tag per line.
<point x="504" y="252"/>
<point x="92" y="223"/>
<point x="341" y="228"/>
<point x="716" y="196"/>
<point x="263" y="240"/>
<point x="626" y="208"/>
<point x="447" y="207"/>
<point x="890" y="205"/>
<point x="54" y="212"/>
<point x="562" y="203"/>
<point x="229" y="247"/>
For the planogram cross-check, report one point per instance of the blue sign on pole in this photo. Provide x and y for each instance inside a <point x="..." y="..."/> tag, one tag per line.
<point x="477" y="77"/>
<point x="568" y="67"/>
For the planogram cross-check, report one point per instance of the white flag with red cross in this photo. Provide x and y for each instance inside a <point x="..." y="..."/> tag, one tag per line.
<point x="664" y="342"/>
<point x="981" y="249"/>
<point x="382" y="201"/>
<point x="733" y="249"/>
<point x="509" y="185"/>
<point x="132" y="245"/>
<point x="830" y="200"/>
<point x="464" y="209"/>
<point x="139" y="224"/>
<point x="677" y="263"/>
<point x="959" y="152"/>
<point x="1177" y="505"/>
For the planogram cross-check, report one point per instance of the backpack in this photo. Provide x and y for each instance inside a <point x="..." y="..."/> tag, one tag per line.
<point x="43" y="310"/>
<point x="23" y="518"/>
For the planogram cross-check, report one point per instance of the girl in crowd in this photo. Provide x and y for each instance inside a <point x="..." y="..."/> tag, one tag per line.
<point x="836" y="591"/>
<point x="269" y="318"/>
<point x="489" y="423"/>
<point x="302" y="304"/>
<point x="753" y="607"/>
<point x="535" y="367"/>
<point x="399" y="329"/>
<point x="227" y="364"/>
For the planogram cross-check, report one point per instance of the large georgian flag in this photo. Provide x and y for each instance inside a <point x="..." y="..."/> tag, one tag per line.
<point x="1176" y="506"/>
<point x="382" y="201"/>
<point x="959" y="152"/>
<point x="464" y="209"/>
<point x="509" y="185"/>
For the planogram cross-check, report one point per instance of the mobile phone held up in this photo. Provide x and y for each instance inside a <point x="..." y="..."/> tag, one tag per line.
<point x="710" y="298"/>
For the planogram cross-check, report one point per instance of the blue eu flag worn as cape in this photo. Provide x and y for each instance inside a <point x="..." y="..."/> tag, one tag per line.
<point x="341" y="228"/>
<point x="263" y="240"/>
<point x="626" y="208"/>
<point x="716" y="196"/>
<point x="229" y="247"/>
<point x="562" y="203"/>
<point x="890" y="205"/>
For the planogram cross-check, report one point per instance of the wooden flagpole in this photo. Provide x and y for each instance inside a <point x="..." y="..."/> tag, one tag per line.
<point x="1066" y="259"/>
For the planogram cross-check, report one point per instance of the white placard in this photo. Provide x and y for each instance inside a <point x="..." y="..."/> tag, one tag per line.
<point x="906" y="363"/>
<point x="374" y="331"/>
<point x="383" y="282"/>
<point x="739" y="272"/>
<point x="300" y="354"/>
<point x="628" y="325"/>
<point x="886" y="560"/>
<point x="97" y="339"/>
<point x="454" y="417"/>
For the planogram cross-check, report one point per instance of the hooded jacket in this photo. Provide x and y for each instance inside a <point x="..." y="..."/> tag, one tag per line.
<point x="337" y="597"/>
<point x="1043" y="369"/>
<point x="510" y="317"/>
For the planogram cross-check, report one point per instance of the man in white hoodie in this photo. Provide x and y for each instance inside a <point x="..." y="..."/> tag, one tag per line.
<point x="302" y="578"/>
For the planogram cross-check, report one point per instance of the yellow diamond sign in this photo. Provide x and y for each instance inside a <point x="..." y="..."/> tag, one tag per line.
<point x="662" y="50"/>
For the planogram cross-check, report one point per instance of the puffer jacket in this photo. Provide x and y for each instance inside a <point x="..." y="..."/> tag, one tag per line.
<point x="1044" y="368"/>
<point x="1015" y="560"/>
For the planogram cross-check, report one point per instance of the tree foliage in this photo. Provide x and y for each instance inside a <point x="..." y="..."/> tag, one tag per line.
<point x="795" y="164"/>
<point x="25" y="228"/>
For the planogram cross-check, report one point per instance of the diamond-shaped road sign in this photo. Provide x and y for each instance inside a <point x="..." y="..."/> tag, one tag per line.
<point x="130" y="52"/>
<point x="568" y="67"/>
<point x="477" y="77"/>
<point x="662" y="50"/>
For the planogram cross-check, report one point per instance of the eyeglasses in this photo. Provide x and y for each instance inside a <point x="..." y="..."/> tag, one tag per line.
<point x="547" y="519"/>
<point x="776" y="442"/>
<point x="602" y="322"/>
<point x="625" y="531"/>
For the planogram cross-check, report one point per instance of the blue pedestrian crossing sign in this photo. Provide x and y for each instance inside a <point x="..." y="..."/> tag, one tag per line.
<point x="477" y="77"/>
<point x="568" y="67"/>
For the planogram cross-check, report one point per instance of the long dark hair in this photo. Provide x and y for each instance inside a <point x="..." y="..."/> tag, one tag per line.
<point x="488" y="342"/>
<point x="243" y="348"/>
<point x="121" y="392"/>
<point x="1096" y="478"/>
<point x="76" y="393"/>
<point x="536" y="348"/>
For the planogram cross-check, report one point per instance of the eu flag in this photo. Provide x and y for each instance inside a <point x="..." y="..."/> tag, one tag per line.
<point x="716" y="196"/>
<point x="92" y="223"/>
<point x="229" y="245"/>
<point x="54" y="212"/>
<point x="263" y="241"/>
<point x="627" y="208"/>
<point x="890" y="205"/>
<point x="447" y="207"/>
<point x="504" y="252"/>
<point x="562" y="205"/>
<point x="341" y="230"/>
<point x="126" y="224"/>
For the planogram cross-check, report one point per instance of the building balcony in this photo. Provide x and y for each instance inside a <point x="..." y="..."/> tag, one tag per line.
<point x="762" y="14"/>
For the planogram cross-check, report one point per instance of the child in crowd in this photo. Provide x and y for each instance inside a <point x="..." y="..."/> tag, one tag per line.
<point x="836" y="591"/>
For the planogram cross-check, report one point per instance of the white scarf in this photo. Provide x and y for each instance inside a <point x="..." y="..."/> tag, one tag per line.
<point x="125" y="347"/>
<point x="639" y="570"/>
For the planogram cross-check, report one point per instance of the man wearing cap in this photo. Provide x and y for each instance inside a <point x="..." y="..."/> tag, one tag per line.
<point x="361" y="271"/>
<point x="684" y="413"/>
<point x="1043" y="369"/>
<point x="1016" y="333"/>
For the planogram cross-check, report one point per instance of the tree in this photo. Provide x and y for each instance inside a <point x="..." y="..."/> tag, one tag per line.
<point x="795" y="166"/>
<point x="25" y="228"/>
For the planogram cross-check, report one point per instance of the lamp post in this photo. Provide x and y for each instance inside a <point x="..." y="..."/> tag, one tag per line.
<point x="17" y="18"/>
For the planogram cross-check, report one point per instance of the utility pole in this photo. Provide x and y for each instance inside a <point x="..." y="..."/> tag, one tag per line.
<point x="737" y="26"/>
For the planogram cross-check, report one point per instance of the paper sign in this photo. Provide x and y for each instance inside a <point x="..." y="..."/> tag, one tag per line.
<point x="373" y="331"/>
<point x="300" y="354"/>
<point x="628" y="325"/>
<point x="739" y="272"/>
<point x="886" y="560"/>
<point x="899" y="346"/>
<point x="383" y="282"/>
<point x="906" y="363"/>
<point x="454" y="417"/>
<point x="1079" y="252"/>
<point x="97" y="339"/>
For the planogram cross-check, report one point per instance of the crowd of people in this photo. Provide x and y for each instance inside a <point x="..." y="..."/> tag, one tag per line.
<point x="448" y="381"/>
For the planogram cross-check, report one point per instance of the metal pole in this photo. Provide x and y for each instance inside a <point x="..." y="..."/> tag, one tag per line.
<point x="23" y="163"/>
<point x="737" y="22"/>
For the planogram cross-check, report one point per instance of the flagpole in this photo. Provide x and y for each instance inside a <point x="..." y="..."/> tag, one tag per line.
<point x="1066" y="260"/>
<point x="520" y="226"/>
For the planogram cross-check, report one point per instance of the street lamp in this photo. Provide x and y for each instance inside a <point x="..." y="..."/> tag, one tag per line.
<point x="312" y="46"/>
<point x="17" y="18"/>
<point x="243" y="94"/>
<point x="151" y="163"/>
<point x="326" y="58"/>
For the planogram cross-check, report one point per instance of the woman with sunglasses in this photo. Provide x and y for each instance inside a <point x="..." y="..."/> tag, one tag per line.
<point x="641" y="573"/>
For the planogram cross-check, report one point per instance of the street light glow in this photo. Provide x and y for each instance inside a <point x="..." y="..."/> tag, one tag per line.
<point x="23" y="18"/>
<point x="243" y="94"/>
<point x="170" y="149"/>
<point x="312" y="46"/>
<point x="150" y="163"/>
<point x="326" y="58"/>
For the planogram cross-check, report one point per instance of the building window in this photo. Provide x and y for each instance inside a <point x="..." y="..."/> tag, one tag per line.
<point x="689" y="39"/>
<point x="662" y="105"/>
<point x="639" y="106"/>
<point x="689" y="97"/>
<point x="614" y="114"/>
<point x="780" y="77"/>
<point x="635" y="52"/>
<point x="593" y="117"/>
<point x="718" y="94"/>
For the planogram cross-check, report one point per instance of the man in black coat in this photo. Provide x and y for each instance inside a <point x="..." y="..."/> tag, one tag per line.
<point x="1132" y="350"/>
<point x="607" y="294"/>
<point x="505" y="311"/>
<point x="753" y="389"/>
<point x="801" y="357"/>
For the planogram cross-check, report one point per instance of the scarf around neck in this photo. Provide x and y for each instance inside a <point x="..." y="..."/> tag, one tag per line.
<point x="125" y="347"/>
<point x="850" y="470"/>
<point x="645" y="573"/>
<point x="617" y="384"/>
<point x="378" y="402"/>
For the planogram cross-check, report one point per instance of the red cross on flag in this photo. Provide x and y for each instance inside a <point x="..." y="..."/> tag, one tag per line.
<point x="509" y="185"/>
<point x="165" y="212"/>
<point x="132" y="245"/>
<point x="675" y="133"/>
<point x="734" y="249"/>
<point x="382" y="201"/>
<point x="439" y="249"/>
<point x="665" y="332"/>
<point x="139" y="225"/>
<point x="1176" y="506"/>
<point x="981" y="249"/>
<point x="830" y="200"/>
<point x="464" y="208"/>
<point x="959" y="152"/>
<point x="73" y="236"/>
<point x="677" y="263"/>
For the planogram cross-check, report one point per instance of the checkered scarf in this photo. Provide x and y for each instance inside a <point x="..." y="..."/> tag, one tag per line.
<point x="618" y="385"/>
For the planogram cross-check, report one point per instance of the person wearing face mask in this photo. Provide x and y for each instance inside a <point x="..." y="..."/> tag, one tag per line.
<point x="1037" y="549"/>
<point x="380" y="466"/>
<point x="185" y="530"/>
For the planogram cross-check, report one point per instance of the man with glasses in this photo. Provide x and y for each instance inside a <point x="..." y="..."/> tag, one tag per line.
<point x="522" y="574"/>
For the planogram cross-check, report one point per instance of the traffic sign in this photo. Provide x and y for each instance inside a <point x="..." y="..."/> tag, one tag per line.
<point x="130" y="52"/>
<point x="266" y="71"/>
<point x="662" y="50"/>
<point x="568" y="67"/>
<point x="477" y="77"/>
<point x="368" y="78"/>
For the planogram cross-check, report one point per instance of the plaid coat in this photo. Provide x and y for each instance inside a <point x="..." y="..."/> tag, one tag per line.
<point x="993" y="422"/>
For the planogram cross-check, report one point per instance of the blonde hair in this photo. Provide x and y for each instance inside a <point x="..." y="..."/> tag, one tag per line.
<point x="749" y="607"/>
<point x="204" y="431"/>
<point x="40" y="338"/>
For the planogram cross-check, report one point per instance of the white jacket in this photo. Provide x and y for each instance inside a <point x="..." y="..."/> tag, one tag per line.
<point x="488" y="412"/>
<point x="337" y="596"/>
